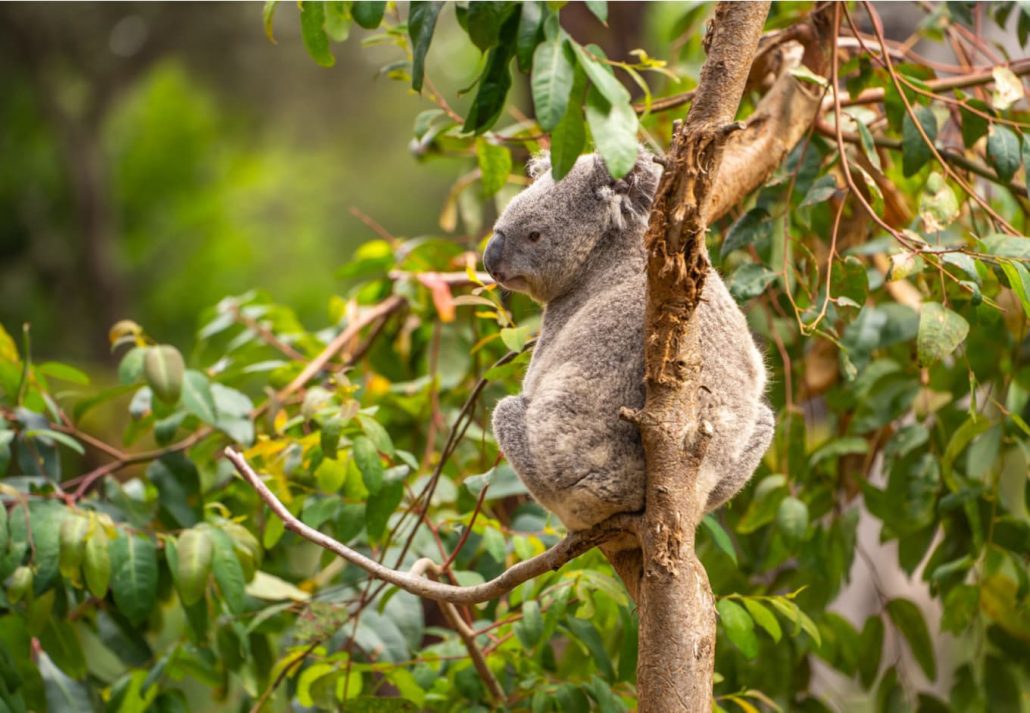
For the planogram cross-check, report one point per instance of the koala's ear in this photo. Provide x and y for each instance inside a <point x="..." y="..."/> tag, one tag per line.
<point x="539" y="165"/>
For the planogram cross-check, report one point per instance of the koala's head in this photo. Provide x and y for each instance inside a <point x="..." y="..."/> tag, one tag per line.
<point x="548" y="232"/>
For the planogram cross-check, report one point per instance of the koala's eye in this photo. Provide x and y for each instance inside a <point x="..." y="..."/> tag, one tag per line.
<point x="533" y="236"/>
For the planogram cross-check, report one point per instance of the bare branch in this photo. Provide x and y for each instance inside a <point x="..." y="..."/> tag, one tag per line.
<point x="464" y="631"/>
<point x="387" y="306"/>
<point x="572" y="546"/>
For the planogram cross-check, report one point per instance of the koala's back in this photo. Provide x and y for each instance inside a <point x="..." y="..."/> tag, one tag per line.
<point x="589" y="363"/>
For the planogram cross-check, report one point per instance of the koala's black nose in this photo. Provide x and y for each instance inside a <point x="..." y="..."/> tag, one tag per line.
<point x="493" y="255"/>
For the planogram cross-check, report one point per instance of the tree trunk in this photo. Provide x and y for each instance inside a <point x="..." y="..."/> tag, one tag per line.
<point x="677" y="609"/>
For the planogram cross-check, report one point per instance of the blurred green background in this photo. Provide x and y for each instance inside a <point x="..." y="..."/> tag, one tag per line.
<point x="157" y="157"/>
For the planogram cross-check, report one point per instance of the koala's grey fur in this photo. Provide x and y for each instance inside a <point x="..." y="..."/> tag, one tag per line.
<point x="576" y="246"/>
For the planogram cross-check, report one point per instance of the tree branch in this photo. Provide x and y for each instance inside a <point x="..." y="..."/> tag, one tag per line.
<point x="780" y="120"/>
<point x="387" y="306"/>
<point x="572" y="546"/>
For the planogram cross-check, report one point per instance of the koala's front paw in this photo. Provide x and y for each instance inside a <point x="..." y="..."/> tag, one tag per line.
<point x="509" y="421"/>
<point x="512" y="436"/>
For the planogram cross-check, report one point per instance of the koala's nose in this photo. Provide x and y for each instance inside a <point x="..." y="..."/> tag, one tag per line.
<point x="492" y="256"/>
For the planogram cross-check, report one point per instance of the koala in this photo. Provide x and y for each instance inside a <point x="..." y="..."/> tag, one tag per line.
<point x="576" y="247"/>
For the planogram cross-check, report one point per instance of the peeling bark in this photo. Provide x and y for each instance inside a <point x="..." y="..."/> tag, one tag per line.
<point x="677" y="609"/>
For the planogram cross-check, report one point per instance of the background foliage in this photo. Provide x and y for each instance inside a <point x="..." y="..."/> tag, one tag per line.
<point x="141" y="574"/>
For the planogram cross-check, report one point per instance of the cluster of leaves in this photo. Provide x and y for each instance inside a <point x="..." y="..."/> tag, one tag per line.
<point x="577" y="97"/>
<point x="144" y="574"/>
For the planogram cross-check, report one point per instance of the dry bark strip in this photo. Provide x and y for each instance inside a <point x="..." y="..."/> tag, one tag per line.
<point x="677" y="610"/>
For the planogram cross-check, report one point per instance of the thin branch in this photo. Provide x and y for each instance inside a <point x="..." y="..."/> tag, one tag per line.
<point x="877" y="94"/>
<point x="265" y="334"/>
<point x="453" y="279"/>
<point x="572" y="546"/>
<point x="468" y="636"/>
<point x="387" y="306"/>
<point x="949" y="153"/>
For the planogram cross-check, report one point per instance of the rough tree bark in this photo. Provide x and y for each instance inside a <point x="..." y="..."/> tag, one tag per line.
<point x="677" y="609"/>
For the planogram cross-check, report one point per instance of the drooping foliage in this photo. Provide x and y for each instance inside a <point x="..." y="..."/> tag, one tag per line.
<point x="884" y="266"/>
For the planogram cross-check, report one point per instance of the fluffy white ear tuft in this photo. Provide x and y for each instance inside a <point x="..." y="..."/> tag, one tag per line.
<point x="615" y="204"/>
<point x="539" y="165"/>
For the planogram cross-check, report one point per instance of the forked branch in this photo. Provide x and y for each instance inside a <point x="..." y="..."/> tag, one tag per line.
<point x="414" y="581"/>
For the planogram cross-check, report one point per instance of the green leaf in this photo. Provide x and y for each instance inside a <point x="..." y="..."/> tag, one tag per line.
<point x="515" y="338"/>
<point x="849" y="283"/>
<point x="763" y="617"/>
<point x="312" y="30"/>
<point x="940" y="332"/>
<point x="73" y="545"/>
<point x="754" y="225"/>
<point x="530" y="628"/>
<point x="178" y="485"/>
<point x="870" y="648"/>
<point x="792" y="520"/>
<point x="195" y="554"/>
<point x="4" y="538"/>
<point x="163" y="368"/>
<point x="974" y="126"/>
<point x="1004" y="151"/>
<point x="614" y="128"/>
<point x="484" y="20"/>
<point x="367" y="459"/>
<point x="530" y="22"/>
<point x="329" y="438"/>
<point x="602" y="78"/>
<point x="379" y="436"/>
<point x="368" y="13"/>
<point x="421" y="23"/>
<point x="228" y="572"/>
<point x="380" y="507"/>
<point x="45" y="519"/>
<point x="720" y="537"/>
<point x="909" y="620"/>
<point x="197" y="396"/>
<point x="868" y="145"/>
<point x="494" y="82"/>
<point x="134" y="575"/>
<point x="63" y="694"/>
<point x="938" y="206"/>
<point x="586" y="634"/>
<point x="552" y="80"/>
<point x="5" y="453"/>
<point x="62" y="645"/>
<point x="20" y="584"/>
<point x="63" y="372"/>
<point x="494" y="165"/>
<point x="569" y="136"/>
<point x="750" y="280"/>
<point x="62" y="438"/>
<point x="96" y="562"/>
<point x="739" y="627"/>
<point x="337" y="20"/>
<point x="271" y="588"/>
<point x="599" y="8"/>
<point x="914" y="150"/>
<point x="130" y="368"/>
<point x="820" y="192"/>
<point x="1004" y="691"/>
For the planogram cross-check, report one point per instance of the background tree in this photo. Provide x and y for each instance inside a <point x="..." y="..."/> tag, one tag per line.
<point x="881" y="251"/>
